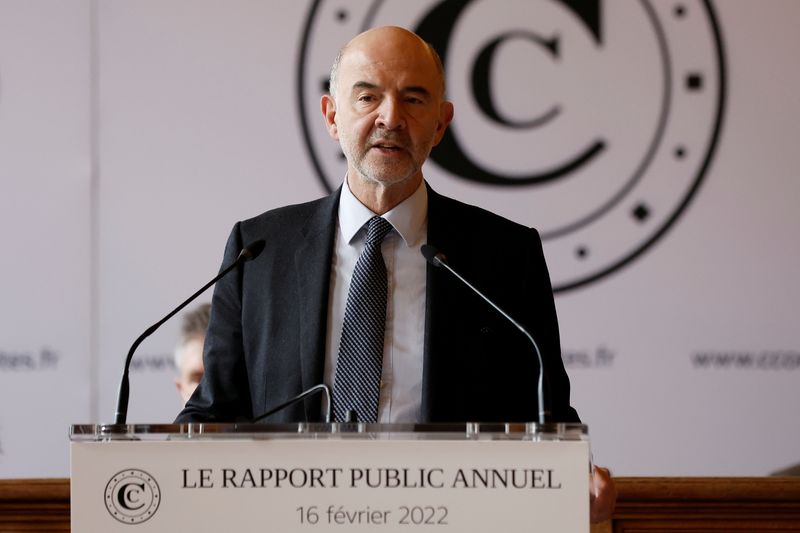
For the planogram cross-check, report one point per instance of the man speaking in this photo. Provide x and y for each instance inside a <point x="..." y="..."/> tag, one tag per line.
<point x="341" y="294"/>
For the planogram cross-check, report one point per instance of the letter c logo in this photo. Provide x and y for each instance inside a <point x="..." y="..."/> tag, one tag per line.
<point x="593" y="121"/>
<point x="129" y="494"/>
<point x="132" y="496"/>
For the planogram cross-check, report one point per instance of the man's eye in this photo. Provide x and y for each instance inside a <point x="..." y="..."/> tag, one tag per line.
<point x="366" y="98"/>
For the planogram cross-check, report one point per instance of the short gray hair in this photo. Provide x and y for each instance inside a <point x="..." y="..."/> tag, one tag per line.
<point x="193" y="326"/>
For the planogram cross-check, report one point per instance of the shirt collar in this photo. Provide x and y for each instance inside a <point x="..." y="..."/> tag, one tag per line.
<point x="408" y="218"/>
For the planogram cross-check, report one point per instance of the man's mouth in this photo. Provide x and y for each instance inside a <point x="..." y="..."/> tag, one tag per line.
<point x="388" y="146"/>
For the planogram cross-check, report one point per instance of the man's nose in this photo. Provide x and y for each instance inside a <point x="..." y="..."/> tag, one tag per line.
<point x="390" y="114"/>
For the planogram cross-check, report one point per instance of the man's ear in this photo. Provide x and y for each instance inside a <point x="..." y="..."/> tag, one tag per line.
<point x="446" y="112"/>
<point x="328" y="106"/>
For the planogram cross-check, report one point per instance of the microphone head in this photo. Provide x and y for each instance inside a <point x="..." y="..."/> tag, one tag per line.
<point x="432" y="255"/>
<point x="252" y="250"/>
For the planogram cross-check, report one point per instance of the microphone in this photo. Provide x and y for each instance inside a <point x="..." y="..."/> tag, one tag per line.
<point x="438" y="259"/>
<point x="302" y="396"/>
<point x="248" y="253"/>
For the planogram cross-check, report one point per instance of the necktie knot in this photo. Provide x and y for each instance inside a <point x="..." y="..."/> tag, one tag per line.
<point x="377" y="229"/>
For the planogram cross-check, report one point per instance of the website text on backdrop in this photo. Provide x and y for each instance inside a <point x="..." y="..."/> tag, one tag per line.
<point x="276" y="327"/>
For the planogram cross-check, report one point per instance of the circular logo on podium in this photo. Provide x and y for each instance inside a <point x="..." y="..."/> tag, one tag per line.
<point x="132" y="496"/>
<point x="594" y="122"/>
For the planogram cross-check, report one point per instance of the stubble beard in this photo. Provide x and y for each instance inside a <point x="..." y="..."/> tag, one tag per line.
<point x="375" y="168"/>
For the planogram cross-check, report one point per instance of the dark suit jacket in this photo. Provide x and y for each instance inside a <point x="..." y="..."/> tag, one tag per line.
<point x="266" y="338"/>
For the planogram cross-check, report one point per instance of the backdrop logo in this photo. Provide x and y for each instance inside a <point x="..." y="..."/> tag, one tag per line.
<point x="593" y="121"/>
<point x="132" y="496"/>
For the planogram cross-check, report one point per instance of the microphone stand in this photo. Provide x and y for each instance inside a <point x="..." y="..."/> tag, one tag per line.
<point x="437" y="259"/>
<point x="248" y="253"/>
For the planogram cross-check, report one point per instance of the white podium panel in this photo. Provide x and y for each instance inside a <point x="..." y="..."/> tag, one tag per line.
<point x="326" y="481"/>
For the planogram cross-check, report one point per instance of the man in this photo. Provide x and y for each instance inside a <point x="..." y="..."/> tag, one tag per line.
<point x="285" y="323"/>
<point x="189" y="351"/>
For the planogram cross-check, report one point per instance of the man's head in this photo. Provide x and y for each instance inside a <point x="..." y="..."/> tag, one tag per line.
<point x="189" y="351"/>
<point x="387" y="107"/>
<point x="334" y="74"/>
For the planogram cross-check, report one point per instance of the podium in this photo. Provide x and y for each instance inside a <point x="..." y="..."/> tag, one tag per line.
<point x="330" y="477"/>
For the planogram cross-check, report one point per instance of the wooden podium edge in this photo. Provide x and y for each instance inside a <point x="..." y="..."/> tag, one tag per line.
<point x="721" y="489"/>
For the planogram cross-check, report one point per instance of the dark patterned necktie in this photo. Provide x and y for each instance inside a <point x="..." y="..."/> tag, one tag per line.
<point x="358" y="370"/>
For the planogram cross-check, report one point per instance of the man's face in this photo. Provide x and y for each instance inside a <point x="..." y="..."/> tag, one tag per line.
<point x="389" y="109"/>
<point x="191" y="368"/>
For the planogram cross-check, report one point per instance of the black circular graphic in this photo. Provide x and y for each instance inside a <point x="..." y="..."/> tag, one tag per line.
<point x="594" y="122"/>
<point x="132" y="496"/>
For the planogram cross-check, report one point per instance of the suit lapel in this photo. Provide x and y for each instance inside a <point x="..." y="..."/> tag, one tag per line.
<point x="313" y="265"/>
<point x="441" y="233"/>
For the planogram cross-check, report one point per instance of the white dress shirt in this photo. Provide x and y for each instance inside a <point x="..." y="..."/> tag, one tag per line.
<point x="401" y="382"/>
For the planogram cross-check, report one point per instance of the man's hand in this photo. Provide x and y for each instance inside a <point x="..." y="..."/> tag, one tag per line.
<point x="602" y="495"/>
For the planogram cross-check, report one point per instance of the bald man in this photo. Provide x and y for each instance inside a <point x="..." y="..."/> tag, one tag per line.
<point x="281" y="326"/>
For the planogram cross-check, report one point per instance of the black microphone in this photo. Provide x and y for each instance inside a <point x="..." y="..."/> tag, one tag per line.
<point x="302" y="396"/>
<point x="248" y="253"/>
<point x="438" y="259"/>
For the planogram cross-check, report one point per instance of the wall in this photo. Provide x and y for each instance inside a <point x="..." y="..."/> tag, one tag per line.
<point x="134" y="134"/>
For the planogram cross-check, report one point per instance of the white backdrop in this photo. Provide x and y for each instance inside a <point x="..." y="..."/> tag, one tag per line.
<point x="134" y="134"/>
<point x="45" y="249"/>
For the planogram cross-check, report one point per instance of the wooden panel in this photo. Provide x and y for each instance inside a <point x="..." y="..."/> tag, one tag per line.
<point x="697" y="505"/>
<point x="34" y="505"/>
<point x="645" y="505"/>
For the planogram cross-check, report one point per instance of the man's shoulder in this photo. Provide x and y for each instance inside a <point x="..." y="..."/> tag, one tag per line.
<point x="471" y="217"/>
<point x="294" y="215"/>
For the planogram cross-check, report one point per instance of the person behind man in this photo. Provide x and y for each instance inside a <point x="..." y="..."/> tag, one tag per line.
<point x="189" y="351"/>
<point x="342" y="295"/>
